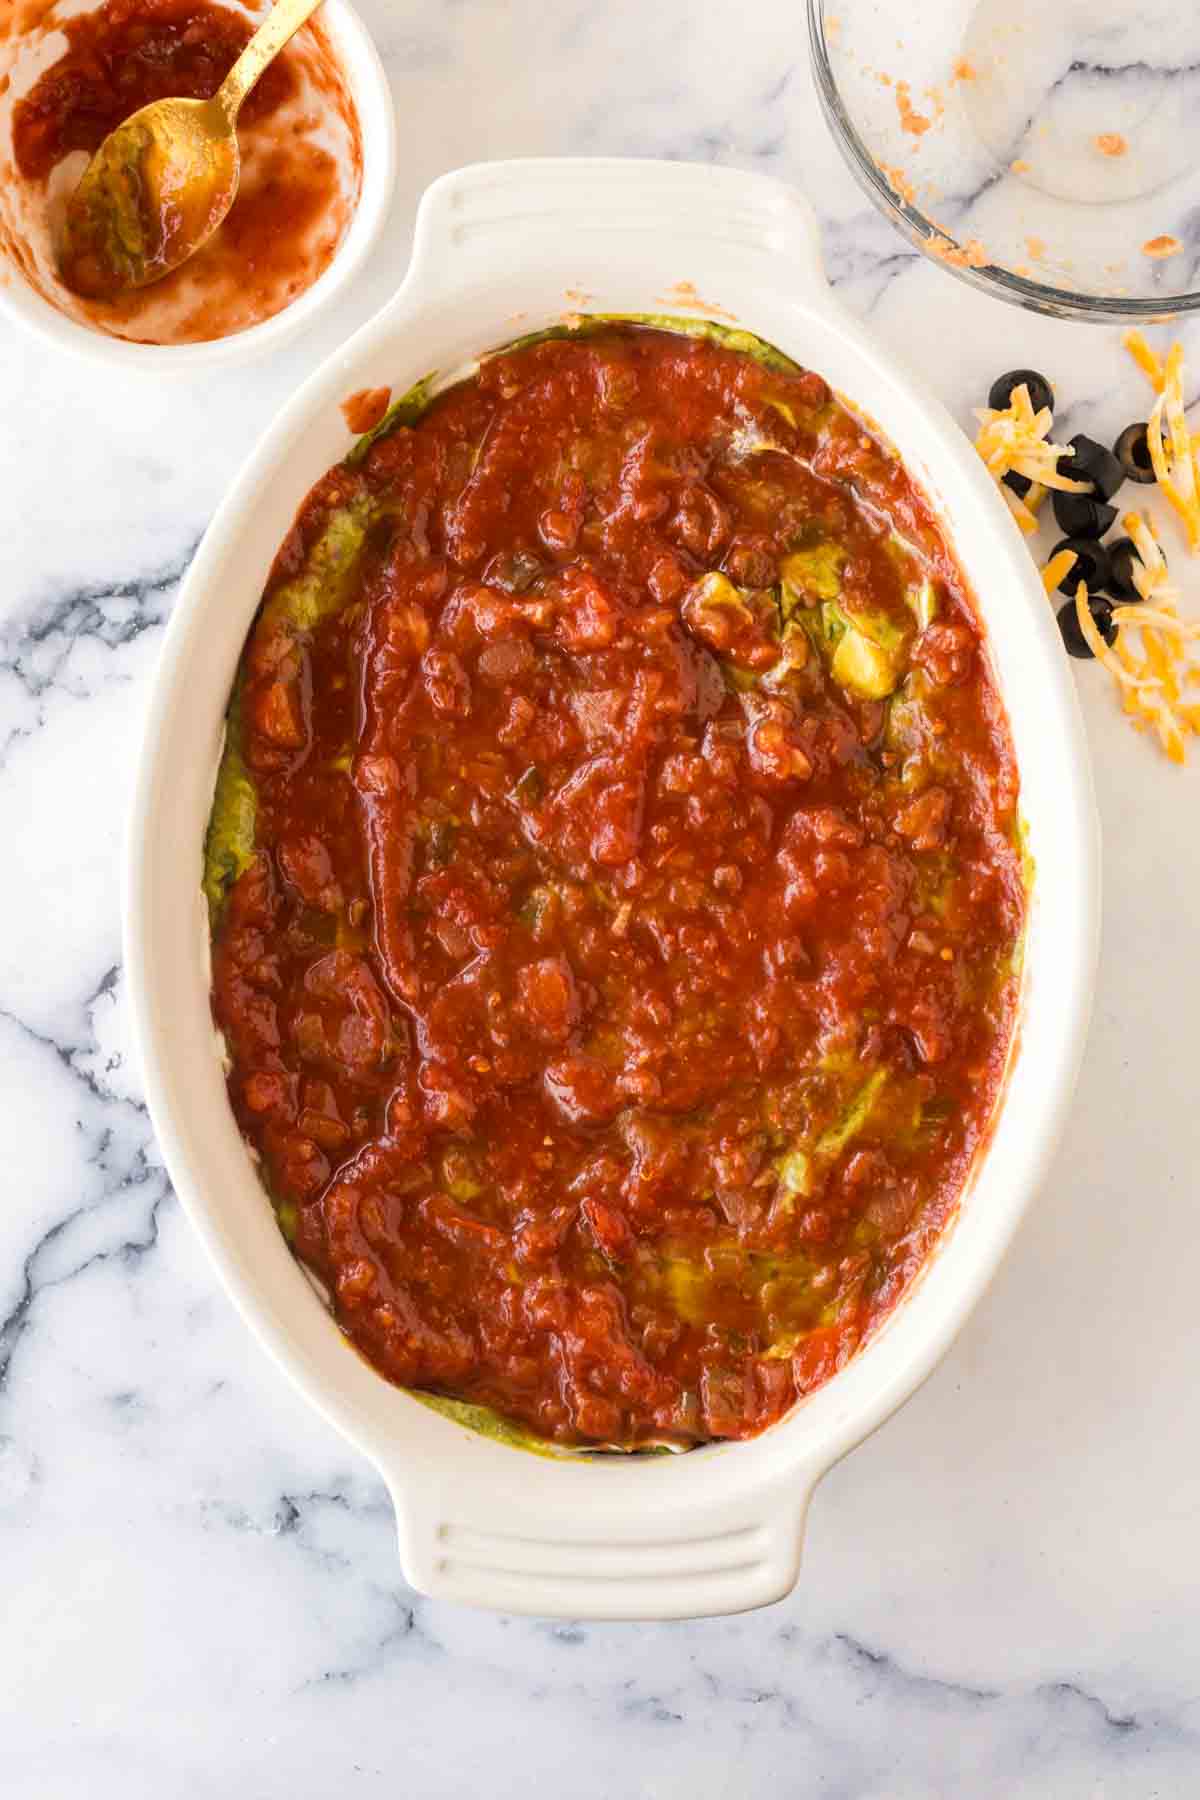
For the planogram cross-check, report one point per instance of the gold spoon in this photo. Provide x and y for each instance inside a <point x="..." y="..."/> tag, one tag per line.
<point x="160" y="184"/>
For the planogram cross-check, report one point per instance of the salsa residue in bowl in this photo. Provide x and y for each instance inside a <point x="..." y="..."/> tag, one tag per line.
<point x="615" y="886"/>
<point x="300" y="146"/>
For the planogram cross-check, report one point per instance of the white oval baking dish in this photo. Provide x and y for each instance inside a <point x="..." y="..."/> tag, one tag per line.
<point x="501" y="249"/>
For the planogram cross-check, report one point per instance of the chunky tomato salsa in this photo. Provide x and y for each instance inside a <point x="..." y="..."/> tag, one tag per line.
<point x="616" y="898"/>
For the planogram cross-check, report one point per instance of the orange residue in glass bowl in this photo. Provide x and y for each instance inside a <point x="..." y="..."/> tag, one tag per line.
<point x="899" y="182"/>
<point x="971" y="255"/>
<point x="912" y="121"/>
<point x="1111" y="143"/>
<point x="1163" y="246"/>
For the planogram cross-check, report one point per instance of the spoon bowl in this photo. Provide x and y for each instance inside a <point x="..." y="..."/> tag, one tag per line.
<point x="154" y="192"/>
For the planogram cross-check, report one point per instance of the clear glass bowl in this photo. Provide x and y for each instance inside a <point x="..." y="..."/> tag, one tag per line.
<point x="1047" y="151"/>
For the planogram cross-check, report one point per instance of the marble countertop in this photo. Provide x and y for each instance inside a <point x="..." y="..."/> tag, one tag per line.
<point x="201" y="1591"/>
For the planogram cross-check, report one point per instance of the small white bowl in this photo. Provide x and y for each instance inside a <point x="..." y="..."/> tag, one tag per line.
<point x="368" y="85"/>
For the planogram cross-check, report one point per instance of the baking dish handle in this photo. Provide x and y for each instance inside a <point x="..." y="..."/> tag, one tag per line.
<point x="572" y="1555"/>
<point x="490" y="215"/>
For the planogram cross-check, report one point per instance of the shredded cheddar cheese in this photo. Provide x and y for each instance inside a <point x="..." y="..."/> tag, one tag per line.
<point x="1147" y="360"/>
<point x="1150" y="580"/>
<point x="1057" y="567"/>
<point x="1173" y="449"/>
<point x="1153" y="659"/>
<point x="1148" y="659"/>
<point x="1015" y="439"/>
<point x="1171" y="455"/>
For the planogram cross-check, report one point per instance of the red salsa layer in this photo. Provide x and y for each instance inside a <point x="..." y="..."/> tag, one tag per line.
<point x="616" y="902"/>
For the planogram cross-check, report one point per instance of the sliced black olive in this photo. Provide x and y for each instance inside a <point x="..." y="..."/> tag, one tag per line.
<point x="1082" y="517"/>
<point x="1020" y="484"/>
<point x="1040" y="392"/>
<point x="1133" y="453"/>
<point x="1090" y="461"/>
<point x="1123" y="559"/>
<point x="1090" y="565"/>
<point x="1073" y="638"/>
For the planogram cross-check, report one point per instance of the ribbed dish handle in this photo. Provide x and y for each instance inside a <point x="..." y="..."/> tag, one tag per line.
<point x="643" y="1561"/>
<point x="489" y="216"/>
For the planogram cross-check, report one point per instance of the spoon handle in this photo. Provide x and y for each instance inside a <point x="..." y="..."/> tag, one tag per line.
<point x="281" y="23"/>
